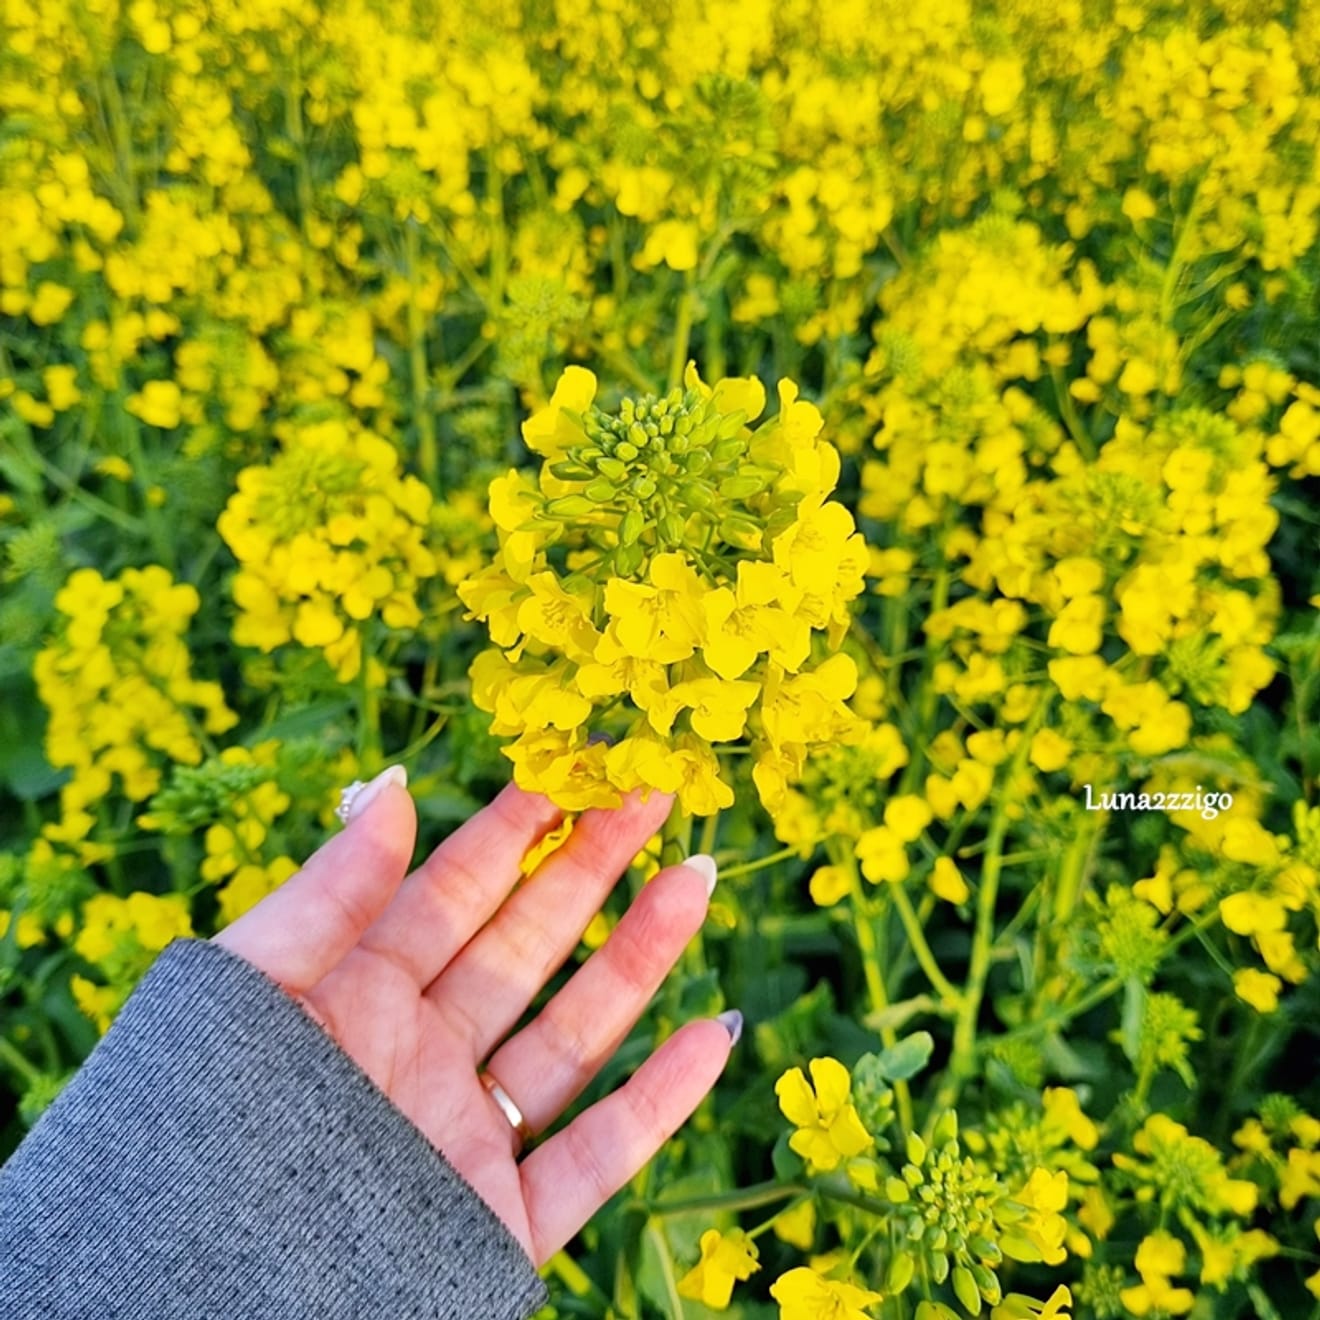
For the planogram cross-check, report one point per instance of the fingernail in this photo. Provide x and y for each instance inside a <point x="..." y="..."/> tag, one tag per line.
<point x="732" y="1022"/>
<point x="357" y="797"/>
<point x="704" y="865"/>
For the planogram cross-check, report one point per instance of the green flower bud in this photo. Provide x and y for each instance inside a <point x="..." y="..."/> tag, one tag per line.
<point x="672" y="527"/>
<point x="727" y="450"/>
<point x="637" y="434"/>
<point x="946" y="1129"/>
<point x="600" y="490"/>
<point x="630" y="528"/>
<point x="983" y="1249"/>
<point x="643" y="485"/>
<point x="628" y="450"/>
<point x="569" y="506"/>
<point x="899" y="1274"/>
<point x="897" y="1190"/>
<point x="612" y="468"/>
<point x="741" y="531"/>
<point x="916" y="1149"/>
<point x="698" y="460"/>
<point x="939" y="1268"/>
<point x="936" y="1238"/>
<point x="912" y="1175"/>
<point x="569" y="471"/>
<point x="965" y="1289"/>
<point x="988" y="1284"/>
<point x="696" y="494"/>
<point x="740" y="487"/>
<point x="628" y="559"/>
<point x="704" y="435"/>
<point x="731" y="424"/>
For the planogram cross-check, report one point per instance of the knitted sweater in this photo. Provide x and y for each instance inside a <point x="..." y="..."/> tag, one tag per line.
<point x="218" y="1155"/>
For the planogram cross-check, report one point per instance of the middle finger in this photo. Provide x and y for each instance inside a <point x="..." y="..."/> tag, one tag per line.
<point x="483" y="992"/>
<point x="550" y="1062"/>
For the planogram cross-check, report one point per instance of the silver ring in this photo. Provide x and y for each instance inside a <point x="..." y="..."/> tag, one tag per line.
<point x="510" y="1110"/>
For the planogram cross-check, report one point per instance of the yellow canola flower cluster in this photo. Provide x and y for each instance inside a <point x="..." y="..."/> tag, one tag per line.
<point x="122" y="937"/>
<point x="1265" y="887"/>
<point x="672" y="564"/>
<point x="117" y="681"/>
<point x="328" y="535"/>
<point x="234" y="847"/>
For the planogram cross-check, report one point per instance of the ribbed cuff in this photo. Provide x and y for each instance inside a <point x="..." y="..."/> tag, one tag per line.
<point x="218" y="1155"/>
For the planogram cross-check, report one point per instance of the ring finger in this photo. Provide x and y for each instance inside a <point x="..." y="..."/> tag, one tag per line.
<point x="552" y="1060"/>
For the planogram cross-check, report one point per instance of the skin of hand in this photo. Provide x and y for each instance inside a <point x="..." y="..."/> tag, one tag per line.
<point x="421" y="977"/>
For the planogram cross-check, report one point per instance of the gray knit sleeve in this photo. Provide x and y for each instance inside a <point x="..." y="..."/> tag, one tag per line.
<point x="218" y="1155"/>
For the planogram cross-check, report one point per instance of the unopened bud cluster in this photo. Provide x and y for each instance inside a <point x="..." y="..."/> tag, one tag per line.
<point x="666" y="472"/>
<point x="949" y="1211"/>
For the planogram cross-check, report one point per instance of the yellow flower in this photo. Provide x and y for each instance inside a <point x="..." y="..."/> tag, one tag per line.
<point x="548" y="432"/>
<point x="1017" y="1306"/>
<point x="1257" y="988"/>
<point x="157" y="404"/>
<point x="1159" y="1257"/>
<point x="828" y="885"/>
<point x="725" y="1260"/>
<point x="1040" y="1235"/>
<point x="1252" y="914"/>
<point x="803" y="1294"/>
<point x="797" y="1225"/>
<point x="907" y="816"/>
<point x="828" y="1126"/>
<point x="946" y="881"/>
<point x="50" y="303"/>
<point x="1050" y="750"/>
<point x="882" y="855"/>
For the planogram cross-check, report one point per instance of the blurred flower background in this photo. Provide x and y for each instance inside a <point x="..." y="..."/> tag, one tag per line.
<point x="883" y="421"/>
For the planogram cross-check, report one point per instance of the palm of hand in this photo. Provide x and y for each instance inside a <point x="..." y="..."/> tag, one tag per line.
<point x="403" y="1043"/>
<point x="420" y="979"/>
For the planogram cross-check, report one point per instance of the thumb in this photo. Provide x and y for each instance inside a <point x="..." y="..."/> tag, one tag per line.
<point x="302" y="931"/>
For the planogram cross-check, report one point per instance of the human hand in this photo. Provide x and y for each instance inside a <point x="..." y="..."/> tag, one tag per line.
<point x="419" y="979"/>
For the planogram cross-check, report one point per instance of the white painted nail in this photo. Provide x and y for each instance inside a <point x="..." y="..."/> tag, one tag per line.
<point x="704" y="865"/>
<point x="732" y="1022"/>
<point x="357" y="797"/>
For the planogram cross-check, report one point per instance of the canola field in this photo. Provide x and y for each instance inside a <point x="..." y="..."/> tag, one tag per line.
<point x="896" y="426"/>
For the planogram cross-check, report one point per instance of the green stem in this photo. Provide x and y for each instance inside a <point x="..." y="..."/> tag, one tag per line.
<point x="368" y="732"/>
<point x="1068" y="411"/>
<point x="682" y="333"/>
<point x="428" y="456"/>
<point x="962" y="1062"/>
<point x="743" y="1198"/>
<point x="875" y="982"/>
<point x="746" y="868"/>
<point x="656" y="1234"/>
<point x="917" y="940"/>
<point x="293" y="126"/>
<point x="21" y="1065"/>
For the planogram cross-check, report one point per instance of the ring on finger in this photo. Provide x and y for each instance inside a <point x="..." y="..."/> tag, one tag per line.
<point x="508" y="1108"/>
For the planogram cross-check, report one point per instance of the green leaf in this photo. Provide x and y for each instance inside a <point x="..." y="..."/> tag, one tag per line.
<point x="907" y="1058"/>
<point x="1134" y="1010"/>
<point x="786" y="1163"/>
<point x="896" y="1015"/>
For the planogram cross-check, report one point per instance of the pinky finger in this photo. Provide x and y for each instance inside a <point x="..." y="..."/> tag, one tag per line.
<point x="566" y="1180"/>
